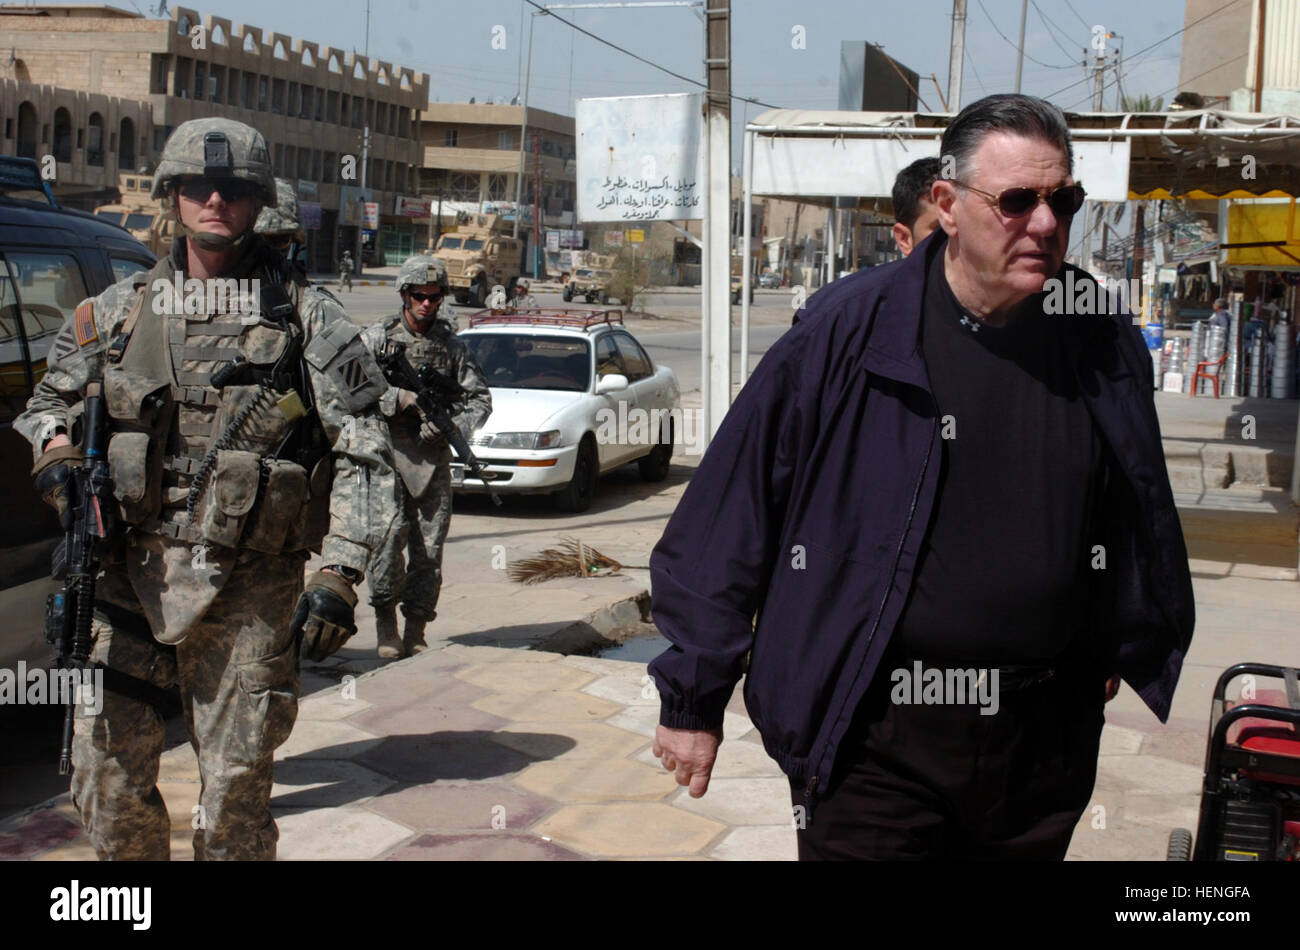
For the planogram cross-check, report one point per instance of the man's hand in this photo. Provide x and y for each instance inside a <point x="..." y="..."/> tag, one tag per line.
<point x="324" y="615"/>
<point x="52" y="476"/>
<point x="1112" y="687"/>
<point x="429" y="432"/>
<point x="690" y="753"/>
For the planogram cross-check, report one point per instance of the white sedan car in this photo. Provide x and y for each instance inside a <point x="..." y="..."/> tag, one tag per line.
<point x="574" y="396"/>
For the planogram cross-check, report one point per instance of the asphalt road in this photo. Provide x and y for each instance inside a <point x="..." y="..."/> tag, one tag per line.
<point x="679" y="349"/>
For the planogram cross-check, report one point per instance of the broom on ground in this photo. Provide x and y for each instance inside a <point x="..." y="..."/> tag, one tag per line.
<point x="571" y="559"/>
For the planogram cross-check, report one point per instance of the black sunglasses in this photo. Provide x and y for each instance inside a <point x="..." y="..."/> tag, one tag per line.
<point x="201" y="189"/>
<point x="1018" y="202"/>
<point x="421" y="298"/>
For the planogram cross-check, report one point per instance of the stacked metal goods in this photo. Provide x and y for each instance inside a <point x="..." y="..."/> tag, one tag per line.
<point x="1194" y="350"/>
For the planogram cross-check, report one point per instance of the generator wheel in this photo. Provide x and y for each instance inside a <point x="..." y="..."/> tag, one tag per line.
<point x="1180" y="845"/>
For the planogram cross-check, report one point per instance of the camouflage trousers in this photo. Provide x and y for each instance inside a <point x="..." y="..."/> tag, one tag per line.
<point x="420" y="530"/>
<point x="237" y="671"/>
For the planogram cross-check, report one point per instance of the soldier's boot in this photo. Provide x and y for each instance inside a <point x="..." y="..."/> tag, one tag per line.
<point x="390" y="644"/>
<point x="414" y="639"/>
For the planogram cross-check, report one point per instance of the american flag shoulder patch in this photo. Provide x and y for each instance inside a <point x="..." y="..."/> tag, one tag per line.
<point x="85" y="323"/>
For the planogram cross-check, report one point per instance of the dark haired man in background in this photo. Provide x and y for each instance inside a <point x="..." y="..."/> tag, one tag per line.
<point x="915" y="215"/>
<point x="930" y="474"/>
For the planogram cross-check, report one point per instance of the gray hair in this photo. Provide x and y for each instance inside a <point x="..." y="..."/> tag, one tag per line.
<point x="1026" y="116"/>
<point x="1220" y="303"/>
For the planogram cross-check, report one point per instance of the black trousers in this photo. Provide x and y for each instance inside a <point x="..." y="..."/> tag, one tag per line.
<point x="918" y="782"/>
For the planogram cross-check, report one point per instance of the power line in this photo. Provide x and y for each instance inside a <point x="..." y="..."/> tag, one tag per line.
<point x="1137" y="56"/>
<point x="1014" y="45"/>
<point x="1086" y="26"/>
<point x="641" y="59"/>
<point x="1046" y="23"/>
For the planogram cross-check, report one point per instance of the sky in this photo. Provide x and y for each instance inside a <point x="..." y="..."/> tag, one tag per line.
<point x="458" y="42"/>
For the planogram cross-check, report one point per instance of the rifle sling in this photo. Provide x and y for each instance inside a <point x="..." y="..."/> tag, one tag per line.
<point x="124" y="621"/>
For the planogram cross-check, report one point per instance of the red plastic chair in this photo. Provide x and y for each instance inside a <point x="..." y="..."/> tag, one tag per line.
<point x="1203" y="372"/>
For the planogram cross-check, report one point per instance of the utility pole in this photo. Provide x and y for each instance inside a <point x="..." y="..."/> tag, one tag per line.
<point x="537" y="203"/>
<point x="956" y="54"/>
<point x="1099" y="74"/>
<point x="1259" y="62"/>
<point x="363" y="196"/>
<point x="1020" y="47"/>
<point x="715" y="328"/>
<point x="1139" y="250"/>
<point x="523" y="125"/>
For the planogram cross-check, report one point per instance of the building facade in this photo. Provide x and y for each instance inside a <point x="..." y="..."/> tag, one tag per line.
<point x="471" y="161"/>
<point x="113" y="72"/>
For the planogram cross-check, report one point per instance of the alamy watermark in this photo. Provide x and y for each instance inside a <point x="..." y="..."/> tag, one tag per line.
<point x="636" y="426"/>
<point x="215" y="295"/>
<point x="936" y="686"/>
<point x="1088" y="296"/>
<point x="39" y="686"/>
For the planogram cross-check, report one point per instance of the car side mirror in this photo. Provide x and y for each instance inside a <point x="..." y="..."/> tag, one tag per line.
<point x="613" y="383"/>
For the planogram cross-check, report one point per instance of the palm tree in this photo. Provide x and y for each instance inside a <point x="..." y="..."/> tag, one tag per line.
<point x="1143" y="103"/>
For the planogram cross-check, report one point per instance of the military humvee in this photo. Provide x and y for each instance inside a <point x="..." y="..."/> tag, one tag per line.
<point x="478" y="255"/>
<point x="140" y="214"/>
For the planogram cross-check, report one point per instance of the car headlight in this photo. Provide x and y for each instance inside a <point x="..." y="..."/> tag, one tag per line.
<point x="526" y="440"/>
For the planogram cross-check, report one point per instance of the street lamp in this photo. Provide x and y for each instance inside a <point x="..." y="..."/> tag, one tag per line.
<point x="523" y="122"/>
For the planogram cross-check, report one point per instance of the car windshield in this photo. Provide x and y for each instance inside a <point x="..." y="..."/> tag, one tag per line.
<point x="532" y="361"/>
<point x="449" y="244"/>
<point x="584" y="272"/>
<point x="473" y="244"/>
<point x="138" y="221"/>
<point x="114" y="216"/>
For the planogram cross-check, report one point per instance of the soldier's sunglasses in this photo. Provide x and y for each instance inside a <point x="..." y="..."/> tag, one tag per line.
<point x="201" y="189"/>
<point x="421" y="298"/>
<point x="1018" y="202"/>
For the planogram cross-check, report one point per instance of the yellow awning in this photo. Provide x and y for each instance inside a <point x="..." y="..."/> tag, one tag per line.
<point x="1263" y="225"/>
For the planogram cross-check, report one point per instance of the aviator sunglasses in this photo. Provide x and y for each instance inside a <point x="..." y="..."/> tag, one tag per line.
<point x="1018" y="202"/>
<point x="201" y="189"/>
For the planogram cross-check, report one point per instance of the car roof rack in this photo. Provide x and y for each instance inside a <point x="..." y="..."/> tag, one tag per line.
<point x="579" y="318"/>
<point x="23" y="174"/>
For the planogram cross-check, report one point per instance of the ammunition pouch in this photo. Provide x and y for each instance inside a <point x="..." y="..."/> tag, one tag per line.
<point x="230" y="497"/>
<point x="279" y="506"/>
<point x="141" y="409"/>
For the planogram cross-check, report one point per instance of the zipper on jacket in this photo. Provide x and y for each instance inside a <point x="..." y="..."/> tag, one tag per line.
<point x="898" y="554"/>
<point x="808" y="798"/>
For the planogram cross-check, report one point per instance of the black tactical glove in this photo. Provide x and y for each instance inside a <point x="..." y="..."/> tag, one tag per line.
<point x="324" y="615"/>
<point x="52" y="476"/>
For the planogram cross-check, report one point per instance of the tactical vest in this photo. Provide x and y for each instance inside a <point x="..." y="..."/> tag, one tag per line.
<point x="240" y="466"/>
<point x="415" y="460"/>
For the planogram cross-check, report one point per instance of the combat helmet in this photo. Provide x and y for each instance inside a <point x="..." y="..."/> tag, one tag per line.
<point x="215" y="149"/>
<point x="283" y="218"/>
<point x="422" y="269"/>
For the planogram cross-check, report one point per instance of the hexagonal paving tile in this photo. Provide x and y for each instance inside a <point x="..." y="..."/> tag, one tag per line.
<point x="476" y="807"/>
<point x="632" y="689"/>
<point x="568" y="740"/>
<point x="560" y="706"/>
<point x="643" y="720"/>
<point x="350" y="833"/>
<point x="622" y="829"/>
<point x="582" y="781"/>
<point x="484" y="847"/>
<point x="511" y="676"/>
<point x="757" y="843"/>
<point x="324" y="783"/>
<point x="500" y="654"/>
<point x="431" y="716"/>
<point x="742" y="801"/>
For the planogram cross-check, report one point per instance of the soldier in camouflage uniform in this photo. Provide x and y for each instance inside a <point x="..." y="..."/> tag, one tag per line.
<point x="282" y="227"/>
<point x="421" y="455"/>
<point x="241" y="426"/>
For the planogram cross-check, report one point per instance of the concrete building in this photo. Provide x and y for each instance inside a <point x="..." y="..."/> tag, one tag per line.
<point x="471" y="165"/>
<point x="105" y="87"/>
<point x="1221" y="55"/>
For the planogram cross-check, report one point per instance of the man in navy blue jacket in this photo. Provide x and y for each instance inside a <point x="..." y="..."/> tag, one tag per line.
<point x="944" y="498"/>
